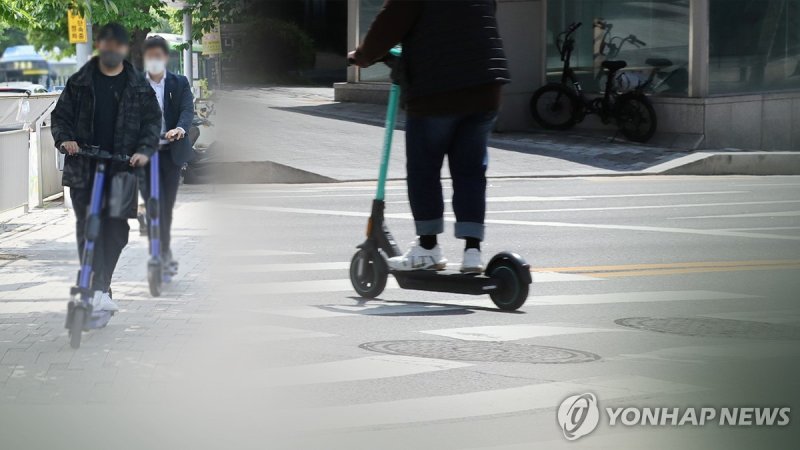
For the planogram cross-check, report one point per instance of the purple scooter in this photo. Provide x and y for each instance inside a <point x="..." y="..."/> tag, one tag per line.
<point x="80" y="316"/>
<point x="157" y="271"/>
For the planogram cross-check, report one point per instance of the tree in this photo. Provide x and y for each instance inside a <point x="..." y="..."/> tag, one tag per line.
<point x="46" y="20"/>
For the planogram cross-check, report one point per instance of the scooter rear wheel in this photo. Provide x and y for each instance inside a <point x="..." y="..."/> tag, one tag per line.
<point x="154" y="279"/>
<point x="514" y="289"/>
<point x="76" y="326"/>
<point x="368" y="273"/>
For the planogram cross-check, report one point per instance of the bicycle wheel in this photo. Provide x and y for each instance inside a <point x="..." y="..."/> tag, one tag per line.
<point x="555" y="107"/>
<point x="636" y="117"/>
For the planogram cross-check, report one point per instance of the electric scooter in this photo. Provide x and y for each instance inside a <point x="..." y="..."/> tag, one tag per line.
<point x="507" y="276"/>
<point x="157" y="271"/>
<point x="80" y="316"/>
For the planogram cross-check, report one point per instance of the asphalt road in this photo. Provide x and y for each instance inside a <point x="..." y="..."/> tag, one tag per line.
<point x="648" y="291"/>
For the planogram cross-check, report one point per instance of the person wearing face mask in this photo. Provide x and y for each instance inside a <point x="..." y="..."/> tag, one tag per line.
<point x="107" y="103"/>
<point x="177" y="105"/>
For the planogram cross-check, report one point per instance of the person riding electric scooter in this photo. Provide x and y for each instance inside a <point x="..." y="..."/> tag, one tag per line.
<point x="107" y="104"/>
<point x="451" y="100"/>
<point x="175" y="149"/>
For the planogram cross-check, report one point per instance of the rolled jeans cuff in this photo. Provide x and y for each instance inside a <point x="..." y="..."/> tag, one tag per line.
<point x="429" y="227"/>
<point x="469" y="230"/>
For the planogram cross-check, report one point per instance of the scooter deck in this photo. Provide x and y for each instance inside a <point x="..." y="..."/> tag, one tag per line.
<point x="446" y="281"/>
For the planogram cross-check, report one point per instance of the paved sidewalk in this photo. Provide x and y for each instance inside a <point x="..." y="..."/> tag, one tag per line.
<point x="302" y="127"/>
<point x="38" y="264"/>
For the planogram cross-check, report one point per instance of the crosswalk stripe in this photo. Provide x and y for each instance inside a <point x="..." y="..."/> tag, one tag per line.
<point x="539" y="276"/>
<point x="371" y="308"/>
<point x="484" y="403"/>
<point x="634" y="297"/>
<point x="513" y="332"/>
<point x="233" y="254"/>
<point x="359" y="369"/>
<point x="344" y="285"/>
<point x="772" y="316"/>
<point x="275" y="333"/>
<point x="706" y="354"/>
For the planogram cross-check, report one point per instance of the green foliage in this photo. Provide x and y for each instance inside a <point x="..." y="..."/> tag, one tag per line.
<point x="46" y="20"/>
<point x="10" y="37"/>
<point x="273" y="51"/>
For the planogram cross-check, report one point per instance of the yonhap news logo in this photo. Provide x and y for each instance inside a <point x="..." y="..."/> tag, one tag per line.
<point x="579" y="414"/>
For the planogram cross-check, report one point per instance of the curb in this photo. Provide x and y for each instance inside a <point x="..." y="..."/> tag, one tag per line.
<point x="731" y="163"/>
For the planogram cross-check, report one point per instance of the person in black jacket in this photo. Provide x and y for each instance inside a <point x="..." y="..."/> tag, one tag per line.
<point x="177" y="104"/>
<point x="107" y="103"/>
<point x="453" y="67"/>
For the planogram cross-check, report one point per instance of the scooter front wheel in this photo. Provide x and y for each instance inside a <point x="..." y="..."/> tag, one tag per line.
<point x="78" y="320"/>
<point x="368" y="273"/>
<point x="154" y="279"/>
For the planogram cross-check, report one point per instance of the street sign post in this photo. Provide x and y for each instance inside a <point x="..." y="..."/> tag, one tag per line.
<point x="76" y="24"/>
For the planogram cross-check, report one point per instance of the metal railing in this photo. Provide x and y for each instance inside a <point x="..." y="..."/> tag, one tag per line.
<point x="13" y="169"/>
<point x="28" y="171"/>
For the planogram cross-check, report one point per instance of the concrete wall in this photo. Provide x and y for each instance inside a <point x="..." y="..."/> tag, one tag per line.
<point x="525" y="21"/>
<point x="761" y="122"/>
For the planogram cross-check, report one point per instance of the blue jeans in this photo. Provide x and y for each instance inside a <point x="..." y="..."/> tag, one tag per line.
<point x="463" y="138"/>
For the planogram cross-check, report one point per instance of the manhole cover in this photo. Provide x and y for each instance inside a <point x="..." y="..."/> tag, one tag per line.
<point x="712" y="327"/>
<point x="482" y="351"/>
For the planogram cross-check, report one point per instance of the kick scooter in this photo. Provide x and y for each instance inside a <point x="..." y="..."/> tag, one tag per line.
<point x="80" y="316"/>
<point x="157" y="272"/>
<point x="507" y="276"/>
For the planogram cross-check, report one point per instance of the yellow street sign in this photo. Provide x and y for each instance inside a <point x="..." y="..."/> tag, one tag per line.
<point x="76" y="25"/>
<point x="212" y="43"/>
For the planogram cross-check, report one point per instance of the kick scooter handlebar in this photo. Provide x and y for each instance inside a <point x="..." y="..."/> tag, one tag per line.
<point x="94" y="152"/>
<point x="388" y="59"/>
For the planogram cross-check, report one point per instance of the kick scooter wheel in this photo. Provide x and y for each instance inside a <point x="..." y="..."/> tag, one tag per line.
<point x="154" y="279"/>
<point x="368" y="273"/>
<point x="514" y="289"/>
<point x="77" y="323"/>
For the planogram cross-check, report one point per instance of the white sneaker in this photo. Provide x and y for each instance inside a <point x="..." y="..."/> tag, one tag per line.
<point x="472" y="262"/>
<point x="419" y="258"/>
<point x="102" y="302"/>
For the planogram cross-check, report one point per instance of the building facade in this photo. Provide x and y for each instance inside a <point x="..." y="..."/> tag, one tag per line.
<point x="733" y="78"/>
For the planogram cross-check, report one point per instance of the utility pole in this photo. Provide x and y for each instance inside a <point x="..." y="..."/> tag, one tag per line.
<point x="83" y="50"/>
<point x="187" y="53"/>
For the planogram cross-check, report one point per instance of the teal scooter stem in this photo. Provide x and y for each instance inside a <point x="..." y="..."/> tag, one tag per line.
<point x="507" y="275"/>
<point x="391" y="122"/>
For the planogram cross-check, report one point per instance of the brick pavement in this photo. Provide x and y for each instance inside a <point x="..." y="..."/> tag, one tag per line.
<point x="38" y="263"/>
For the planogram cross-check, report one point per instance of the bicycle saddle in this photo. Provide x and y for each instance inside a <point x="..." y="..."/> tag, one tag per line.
<point x="658" y="62"/>
<point x="614" y="65"/>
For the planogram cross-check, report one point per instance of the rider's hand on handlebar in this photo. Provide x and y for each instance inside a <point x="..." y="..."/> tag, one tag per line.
<point x="174" y="134"/>
<point x="71" y="147"/>
<point x="351" y="58"/>
<point x="139" y="160"/>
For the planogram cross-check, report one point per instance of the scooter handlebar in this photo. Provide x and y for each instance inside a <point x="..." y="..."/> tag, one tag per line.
<point x="94" y="152"/>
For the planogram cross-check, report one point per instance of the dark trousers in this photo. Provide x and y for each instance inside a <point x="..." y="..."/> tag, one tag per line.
<point x="169" y="177"/>
<point x="463" y="138"/>
<point x="112" y="239"/>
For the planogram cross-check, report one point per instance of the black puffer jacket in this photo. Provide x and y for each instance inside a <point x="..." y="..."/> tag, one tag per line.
<point x="137" y="128"/>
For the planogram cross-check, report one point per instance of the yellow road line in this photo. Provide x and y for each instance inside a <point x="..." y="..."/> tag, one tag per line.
<point x="661" y="269"/>
<point x="680" y="265"/>
<point x="661" y="272"/>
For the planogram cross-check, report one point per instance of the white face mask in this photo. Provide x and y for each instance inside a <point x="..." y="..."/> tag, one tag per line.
<point x="155" y="66"/>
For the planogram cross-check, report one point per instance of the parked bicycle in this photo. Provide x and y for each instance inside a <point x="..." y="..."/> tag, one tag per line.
<point x="559" y="106"/>
<point x="662" y="76"/>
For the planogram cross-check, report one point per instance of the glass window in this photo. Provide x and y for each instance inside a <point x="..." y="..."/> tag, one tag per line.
<point x="651" y="36"/>
<point x="754" y="45"/>
<point x="367" y="12"/>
